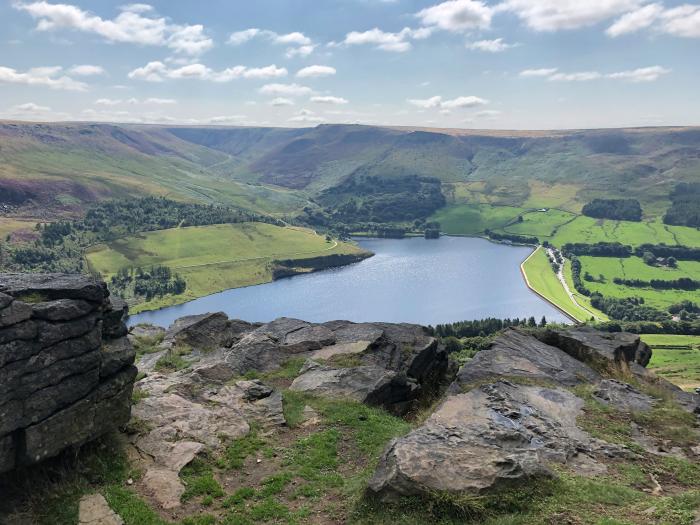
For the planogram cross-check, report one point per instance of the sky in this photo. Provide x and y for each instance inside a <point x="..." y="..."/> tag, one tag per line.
<point x="491" y="64"/>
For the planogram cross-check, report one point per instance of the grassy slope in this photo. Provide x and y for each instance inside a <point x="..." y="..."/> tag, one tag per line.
<point x="544" y="281"/>
<point x="212" y="258"/>
<point x="677" y="358"/>
<point x="634" y="268"/>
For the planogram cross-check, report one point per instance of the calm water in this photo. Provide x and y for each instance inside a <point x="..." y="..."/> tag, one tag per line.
<point x="408" y="280"/>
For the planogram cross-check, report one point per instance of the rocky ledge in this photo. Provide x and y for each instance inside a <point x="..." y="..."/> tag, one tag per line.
<point x="66" y="365"/>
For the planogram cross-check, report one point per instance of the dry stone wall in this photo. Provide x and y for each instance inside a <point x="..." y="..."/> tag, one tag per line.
<point x="66" y="366"/>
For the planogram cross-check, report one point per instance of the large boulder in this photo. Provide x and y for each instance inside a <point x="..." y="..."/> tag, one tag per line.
<point x="478" y="439"/>
<point x="205" y="332"/>
<point x="64" y="378"/>
<point x="518" y="354"/>
<point x="601" y="350"/>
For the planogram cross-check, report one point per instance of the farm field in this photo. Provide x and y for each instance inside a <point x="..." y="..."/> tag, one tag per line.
<point x="212" y="258"/>
<point x="676" y="358"/>
<point x="544" y="281"/>
<point x="634" y="268"/>
<point x="589" y="230"/>
<point x="541" y="224"/>
<point x="473" y="219"/>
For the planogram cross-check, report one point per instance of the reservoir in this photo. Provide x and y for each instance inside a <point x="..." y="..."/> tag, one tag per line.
<point x="410" y="280"/>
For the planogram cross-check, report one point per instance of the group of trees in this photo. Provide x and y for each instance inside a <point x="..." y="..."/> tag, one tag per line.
<point x="599" y="249"/>
<point x="150" y="283"/>
<point x="648" y="327"/>
<point x="679" y="252"/>
<point x="685" y="205"/>
<point x="626" y="308"/>
<point x="682" y="283"/>
<point x="616" y="209"/>
<point x="482" y="327"/>
<point x="510" y="237"/>
<point x="368" y="198"/>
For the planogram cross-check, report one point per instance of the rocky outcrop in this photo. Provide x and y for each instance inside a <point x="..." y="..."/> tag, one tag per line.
<point x="66" y="371"/>
<point x="208" y="404"/>
<point x="512" y="412"/>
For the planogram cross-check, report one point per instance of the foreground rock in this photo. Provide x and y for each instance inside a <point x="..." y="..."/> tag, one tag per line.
<point x="489" y="430"/>
<point x="66" y="372"/>
<point x="94" y="510"/>
<point x="203" y="407"/>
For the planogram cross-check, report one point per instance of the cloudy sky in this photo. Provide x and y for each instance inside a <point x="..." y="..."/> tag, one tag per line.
<point x="521" y="64"/>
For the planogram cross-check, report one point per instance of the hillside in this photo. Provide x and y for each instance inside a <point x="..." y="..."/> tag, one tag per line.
<point x="61" y="166"/>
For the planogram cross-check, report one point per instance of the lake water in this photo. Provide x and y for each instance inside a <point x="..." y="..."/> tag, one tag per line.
<point x="408" y="280"/>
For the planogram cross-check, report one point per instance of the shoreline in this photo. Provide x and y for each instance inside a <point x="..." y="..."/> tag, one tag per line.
<point x="533" y="290"/>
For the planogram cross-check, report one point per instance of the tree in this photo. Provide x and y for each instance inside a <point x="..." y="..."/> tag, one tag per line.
<point x="672" y="262"/>
<point x="531" y="322"/>
<point x="543" y="322"/>
<point x="649" y="258"/>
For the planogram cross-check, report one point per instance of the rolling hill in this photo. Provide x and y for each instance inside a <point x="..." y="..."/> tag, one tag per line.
<point x="54" y="169"/>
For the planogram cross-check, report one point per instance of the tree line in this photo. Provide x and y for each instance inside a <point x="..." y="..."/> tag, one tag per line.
<point x="616" y="209"/>
<point x="685" y="205"/>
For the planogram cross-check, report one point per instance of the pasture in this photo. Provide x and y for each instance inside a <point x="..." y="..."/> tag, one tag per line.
<point x="212" y="258"/>
<point x="676" y="358"/>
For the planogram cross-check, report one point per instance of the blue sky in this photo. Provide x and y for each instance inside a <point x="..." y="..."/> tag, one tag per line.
<point x="520" y="64"/>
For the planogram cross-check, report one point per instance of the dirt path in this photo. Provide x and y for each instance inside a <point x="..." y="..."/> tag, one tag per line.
<point x="562" y="280"/>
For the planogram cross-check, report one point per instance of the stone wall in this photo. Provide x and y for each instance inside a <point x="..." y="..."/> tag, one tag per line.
<point x="66" y="366"/>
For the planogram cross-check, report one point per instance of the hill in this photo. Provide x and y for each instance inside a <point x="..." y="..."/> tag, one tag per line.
<point x="59" y="167"/>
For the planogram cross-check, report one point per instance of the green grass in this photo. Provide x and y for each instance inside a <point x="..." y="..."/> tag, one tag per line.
<point x="543" y="279"/>
<point x="635" y="268"/>
<point x="212" y="258"/>
<point x="473" y="219"/>
<point x="676" y="358"/>
<point x="589" y="230"/>
<point x="540" y="224"/>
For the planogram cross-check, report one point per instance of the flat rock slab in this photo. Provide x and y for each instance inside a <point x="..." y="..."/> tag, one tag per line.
<point x="94" y="510"/>
<point x="357" y="383"/>
<point x="518" y="354"/>
<point x="601" y="350"/>
<point x="164" y="486"/>
<point x="623" y="396"/>
<point x="476" y="440"/>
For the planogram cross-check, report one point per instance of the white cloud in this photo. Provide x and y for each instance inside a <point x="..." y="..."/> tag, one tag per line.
<point x="437" y="102"/>
<point x="108" y="102"/>
<point x="307" y="116"/>
<point x="635" y="20"/>
<point x="426" y="103"/>
<point x="555" y="15"/>
<point x="157" y="72"/>
<point x="395" y="42"/>
<point x="285" y="90"/>
<point x="644" y="74"/>
<point x="298" y="43"/>
<point x="457" y="15"/>
<point x="581" y="76"/>
<point x="329" y="100"/>
<point x="29" y="108"/>
<point x="543" y="72"/>
<point x="227" y="119"/>
<point x="488" y="114"/>
<point x="681" y="21"/>
<point x="129" y="26"/>
<point x="281" y="101"/>
<point x="316" y="71"/>
<point x="490" y="46"/>
<point x="86" y="70"/>
<point x="160" y="101"/>
<point x="41" y="76"/>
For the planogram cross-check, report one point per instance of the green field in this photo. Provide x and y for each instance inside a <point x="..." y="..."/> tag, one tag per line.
<point x="544" y="281"/>
<point x="473" y="219"/>
<point x="212" y="258"/>
<point x="676" y="357"/>
<point x="634" y="268"/>
<point x="540" y="224"/>
<point x="589" y="230"/>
